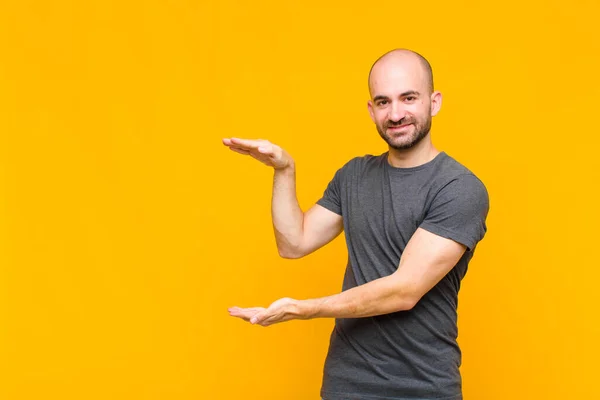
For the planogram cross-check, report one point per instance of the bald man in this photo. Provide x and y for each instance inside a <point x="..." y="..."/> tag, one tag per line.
<point x="412" y="218"/>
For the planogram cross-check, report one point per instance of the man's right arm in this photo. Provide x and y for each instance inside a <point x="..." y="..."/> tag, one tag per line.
<point x="297" y="233"/>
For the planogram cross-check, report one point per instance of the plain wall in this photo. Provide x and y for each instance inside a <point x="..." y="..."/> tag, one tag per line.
<point x="127" y="229"/>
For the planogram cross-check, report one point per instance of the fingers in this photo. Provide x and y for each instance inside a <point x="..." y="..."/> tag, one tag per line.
<point x="277" y="312"/>
<point x="269" y="316"/>
<point x="266" y="148"/>
<point x="257" y="318"/>
<point x="238" y="150"/>
<point x="244" y="313"/>
<point x="259" y="145"/>
<point x="254" y="315"/>
<point x="239" y="310"/>
<point x="255" y="148"/>
<point x="247" y="144"/>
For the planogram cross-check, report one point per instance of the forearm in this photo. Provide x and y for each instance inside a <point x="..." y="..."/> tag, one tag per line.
<point x="381" y="296"/>
<point x="286" y="213"/>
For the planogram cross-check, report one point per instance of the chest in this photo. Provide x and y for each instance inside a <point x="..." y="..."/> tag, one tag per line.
<point x="378" y="206"/>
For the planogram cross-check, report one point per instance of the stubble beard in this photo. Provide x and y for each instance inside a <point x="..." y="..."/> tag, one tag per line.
<point x="418" y="134"/>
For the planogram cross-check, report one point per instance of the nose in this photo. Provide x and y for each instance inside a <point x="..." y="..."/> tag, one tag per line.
<point x="396" y="112"/>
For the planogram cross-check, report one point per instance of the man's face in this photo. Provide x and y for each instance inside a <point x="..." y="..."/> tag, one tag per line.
<point x="401" y="105"/>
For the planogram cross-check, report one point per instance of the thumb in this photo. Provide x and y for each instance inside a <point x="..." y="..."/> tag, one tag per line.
<point x="258" y="317"/>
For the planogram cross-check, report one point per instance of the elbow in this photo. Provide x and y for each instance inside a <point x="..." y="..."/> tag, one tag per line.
<point x="405" y="294"/>
<point x="406" y="300"/>
<point x="290" y="254"/>
<point x="408" y="304"/>
<point x="290" y="249"/>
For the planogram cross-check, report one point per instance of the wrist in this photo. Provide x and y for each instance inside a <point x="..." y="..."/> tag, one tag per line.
<point x="288" y="169"/>
<point x="307" y="309"/>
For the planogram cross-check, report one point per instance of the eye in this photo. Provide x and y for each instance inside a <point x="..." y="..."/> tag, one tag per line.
<point x="382" y="102"/>
<point x="411" y="98"/>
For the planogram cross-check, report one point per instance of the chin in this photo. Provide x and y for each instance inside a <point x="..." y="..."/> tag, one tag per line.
<point x="403" y="143"/>
<point x="406" y="144"/>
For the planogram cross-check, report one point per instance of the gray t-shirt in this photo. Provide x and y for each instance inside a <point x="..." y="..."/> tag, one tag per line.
<point x="407" y="354"/>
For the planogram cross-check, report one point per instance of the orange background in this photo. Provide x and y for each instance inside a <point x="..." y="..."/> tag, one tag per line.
<point x="127" y="229"/>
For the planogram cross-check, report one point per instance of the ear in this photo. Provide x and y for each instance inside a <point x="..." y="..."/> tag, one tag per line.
<point x="436" y="103"/>
<point x="371" y="110"/>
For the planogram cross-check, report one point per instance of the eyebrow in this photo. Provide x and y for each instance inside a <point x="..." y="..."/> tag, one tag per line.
<point x="407" y="93"/>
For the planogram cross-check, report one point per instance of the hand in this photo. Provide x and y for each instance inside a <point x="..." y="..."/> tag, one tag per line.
<point x="262" y="150"/>
<point x="281" y="310"/>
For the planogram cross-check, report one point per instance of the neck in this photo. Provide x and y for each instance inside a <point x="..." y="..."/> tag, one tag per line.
<point x="421" y="153"/>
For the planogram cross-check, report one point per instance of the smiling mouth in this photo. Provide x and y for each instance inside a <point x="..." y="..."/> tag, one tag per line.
<point x="399" y="127"/>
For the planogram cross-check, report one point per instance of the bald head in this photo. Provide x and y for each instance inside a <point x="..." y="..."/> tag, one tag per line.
<point x="403" y="59"/>
<point x="402" y="101"/>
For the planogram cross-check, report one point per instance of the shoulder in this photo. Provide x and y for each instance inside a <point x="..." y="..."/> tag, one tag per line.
<point x="359" y="164"/>
<point x="449" y="169"/>
<point x="455" y="179"/>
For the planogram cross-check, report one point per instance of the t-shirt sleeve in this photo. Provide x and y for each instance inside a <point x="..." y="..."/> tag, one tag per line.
<point x="331" y="198"/>
<point x="459" y="211"/>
